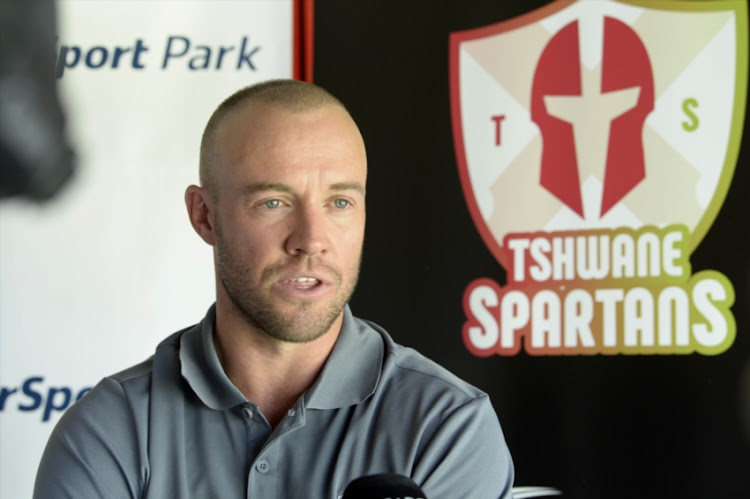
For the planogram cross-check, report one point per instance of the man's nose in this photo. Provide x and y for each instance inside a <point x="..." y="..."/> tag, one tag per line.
<point x="309" y="233"/>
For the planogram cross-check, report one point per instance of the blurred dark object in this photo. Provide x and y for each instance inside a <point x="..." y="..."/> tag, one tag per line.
<point x="35" y="158"/>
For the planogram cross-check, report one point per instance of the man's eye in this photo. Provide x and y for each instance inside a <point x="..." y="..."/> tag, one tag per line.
<point x="341" y="203"/>
<point x="272" y="203"/>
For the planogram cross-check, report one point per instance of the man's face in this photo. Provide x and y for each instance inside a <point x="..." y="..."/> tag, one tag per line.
<point x="290" y="217"/>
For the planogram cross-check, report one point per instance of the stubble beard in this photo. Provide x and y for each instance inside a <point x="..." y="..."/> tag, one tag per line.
<point x="251" y="301"/>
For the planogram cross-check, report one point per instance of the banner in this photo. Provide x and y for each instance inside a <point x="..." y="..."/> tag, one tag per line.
<point x="92" y="280"/>
<point x="593" y="167"/>
<point x="557" y="200"/>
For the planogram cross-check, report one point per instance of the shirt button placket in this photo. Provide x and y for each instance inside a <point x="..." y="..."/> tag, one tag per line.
<point x="263" y="478"/>
<point x="262" y="466"/>
<point x="247" y="413"/>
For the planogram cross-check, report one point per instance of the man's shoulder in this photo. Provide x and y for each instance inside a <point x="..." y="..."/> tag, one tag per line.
<point x="135" y="372"/>
<point x="168" y="346"/>
<point x="133" y="383"/>
<point x="412" y="363"/>
<point x="405" y="365"/>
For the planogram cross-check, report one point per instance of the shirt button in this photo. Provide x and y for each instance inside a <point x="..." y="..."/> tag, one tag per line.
<point x="247" y="413"/>
<point x="292" y="412"/>
<point x="262" y="466"/>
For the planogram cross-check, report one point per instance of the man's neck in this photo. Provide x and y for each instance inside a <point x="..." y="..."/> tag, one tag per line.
<point x="271" y="373"/>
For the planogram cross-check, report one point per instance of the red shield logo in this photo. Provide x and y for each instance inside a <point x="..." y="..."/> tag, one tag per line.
<point x="596" y="142"/>
<point x="585" y="115"/>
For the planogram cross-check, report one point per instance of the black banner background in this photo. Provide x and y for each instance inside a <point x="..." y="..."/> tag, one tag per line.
<point x="592" y="426"/>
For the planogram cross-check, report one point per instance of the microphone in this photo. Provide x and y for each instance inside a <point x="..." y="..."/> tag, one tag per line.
<point x="383" y="486"/>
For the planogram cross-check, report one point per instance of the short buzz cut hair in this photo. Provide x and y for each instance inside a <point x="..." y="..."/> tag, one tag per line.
<point x="292" y="95"/>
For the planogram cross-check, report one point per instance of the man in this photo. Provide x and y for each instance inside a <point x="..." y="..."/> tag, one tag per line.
<point x="279" y="391"/>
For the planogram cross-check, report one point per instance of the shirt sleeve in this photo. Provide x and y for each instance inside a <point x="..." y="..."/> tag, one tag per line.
<point x="467" y="456"/>
<point x="94" y="450"/>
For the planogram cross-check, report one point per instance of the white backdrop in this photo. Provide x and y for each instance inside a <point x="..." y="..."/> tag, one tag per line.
<point x="91" y="281"/>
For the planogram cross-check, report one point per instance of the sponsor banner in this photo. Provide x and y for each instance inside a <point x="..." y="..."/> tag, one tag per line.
<point x="596" y="142"/>
<point x="92" y="280"/>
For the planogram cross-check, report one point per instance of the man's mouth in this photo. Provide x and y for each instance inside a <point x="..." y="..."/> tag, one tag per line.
<point x="304" y="282"/>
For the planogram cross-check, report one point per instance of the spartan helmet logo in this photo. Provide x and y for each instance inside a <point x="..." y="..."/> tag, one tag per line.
<point x="591" y="120"/>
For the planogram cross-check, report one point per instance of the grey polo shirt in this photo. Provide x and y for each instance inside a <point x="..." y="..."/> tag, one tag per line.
<point x="175" y="426"/>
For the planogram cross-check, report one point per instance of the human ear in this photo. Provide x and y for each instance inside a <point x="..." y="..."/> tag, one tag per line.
<point x="200" y="213"/>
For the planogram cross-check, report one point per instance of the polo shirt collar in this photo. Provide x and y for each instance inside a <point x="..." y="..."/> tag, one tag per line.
<point x="352" y="371"/>
<point x="202" y="369"/>
<point x="349" y="376"/>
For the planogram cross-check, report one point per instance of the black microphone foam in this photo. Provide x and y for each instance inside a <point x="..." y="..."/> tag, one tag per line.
<point x="383" y="486"/>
